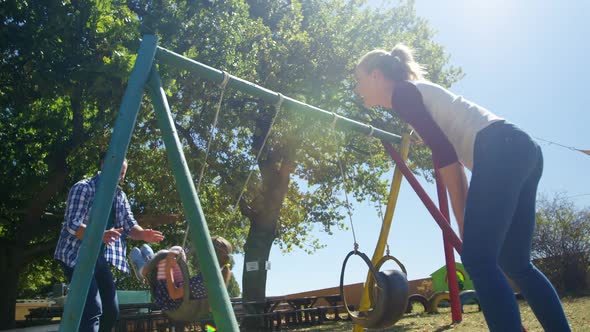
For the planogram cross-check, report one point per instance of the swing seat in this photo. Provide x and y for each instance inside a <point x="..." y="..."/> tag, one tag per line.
<point x="190" y="310"/>
<point x="395" y="299"/>
<point x="388" y="292"/>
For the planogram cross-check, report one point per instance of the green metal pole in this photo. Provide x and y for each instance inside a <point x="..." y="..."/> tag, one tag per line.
<point x="105" y="193"/>
<point x="218" y="298"/>
<point x="215" y="75"/>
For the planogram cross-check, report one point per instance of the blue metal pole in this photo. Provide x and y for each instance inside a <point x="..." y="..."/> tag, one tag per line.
<point x="101" y="206"/>
<point x="218" y="298"/>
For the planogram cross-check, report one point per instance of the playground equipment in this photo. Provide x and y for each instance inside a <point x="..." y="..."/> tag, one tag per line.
<point x="144" y="74"/>
<point x="469" y="297"/>
<point x="387" y="290"/>
<point x="466" y="297"/>
<point x="417" y="298"/>
<point x="385" y="227"/>
<point x="435" y="300"/>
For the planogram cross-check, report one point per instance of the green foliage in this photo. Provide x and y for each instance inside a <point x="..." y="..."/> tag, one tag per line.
<point x="128" y="281"/>
<point x="39" y="277"/>
<point x="306" y="50"/>
<point x="63" y="71"/>
<point x="561" y="243"/>
<point x="233" y="289"/>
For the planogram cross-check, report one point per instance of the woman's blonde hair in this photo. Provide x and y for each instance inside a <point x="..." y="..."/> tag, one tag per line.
<point x="397" y="65"/>
<point x="222" y="249"/>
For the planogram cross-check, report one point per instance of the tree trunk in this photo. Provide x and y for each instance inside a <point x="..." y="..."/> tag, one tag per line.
<point x="264" y="215"/>
<point x="9" y="261"/>
<point x="257" y="250"/>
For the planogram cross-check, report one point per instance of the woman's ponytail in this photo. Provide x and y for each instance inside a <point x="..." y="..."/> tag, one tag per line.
<point x="397" y="65"/>
<point x="409" y="68"/>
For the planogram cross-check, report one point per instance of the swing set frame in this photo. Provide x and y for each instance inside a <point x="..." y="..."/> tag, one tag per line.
<point x="145" y="75"/>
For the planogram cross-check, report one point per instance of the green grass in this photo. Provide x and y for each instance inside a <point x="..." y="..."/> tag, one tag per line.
<point x="576" y="309"/>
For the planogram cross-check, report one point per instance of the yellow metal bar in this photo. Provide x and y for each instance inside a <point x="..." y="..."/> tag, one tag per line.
<point x="386" y="226"/>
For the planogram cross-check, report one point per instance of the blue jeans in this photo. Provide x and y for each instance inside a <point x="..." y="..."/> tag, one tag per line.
<point x="102" y="306"/>
<point x="498" y="231"/>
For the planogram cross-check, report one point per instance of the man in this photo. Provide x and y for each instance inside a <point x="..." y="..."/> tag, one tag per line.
<point x="102" y="308"/>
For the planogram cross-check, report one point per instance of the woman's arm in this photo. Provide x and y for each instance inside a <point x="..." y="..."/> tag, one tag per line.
<point x="409" y="105"/>
<point x="174" y="292"/>
<point x="454" y="178"/>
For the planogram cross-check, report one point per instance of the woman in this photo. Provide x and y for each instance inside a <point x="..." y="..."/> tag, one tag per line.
<point x="496" y="212"/>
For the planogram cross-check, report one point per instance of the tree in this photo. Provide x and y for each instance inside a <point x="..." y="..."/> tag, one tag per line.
<point x="561" y="243"/>
<point x="305" y="50"/>
<point x="61" y="80"/>
<point x="63" y="70"/>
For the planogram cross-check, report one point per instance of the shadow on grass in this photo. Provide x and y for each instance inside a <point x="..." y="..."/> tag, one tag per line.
<point x="445" y="327"/>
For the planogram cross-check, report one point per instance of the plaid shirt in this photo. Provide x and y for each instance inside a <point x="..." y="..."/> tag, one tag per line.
<point x="77" y="212"/>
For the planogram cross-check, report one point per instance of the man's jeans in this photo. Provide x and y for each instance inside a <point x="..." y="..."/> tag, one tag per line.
<point x="102" y="306"/>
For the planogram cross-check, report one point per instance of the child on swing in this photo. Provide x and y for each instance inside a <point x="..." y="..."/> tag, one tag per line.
<point x="168" y="291"/>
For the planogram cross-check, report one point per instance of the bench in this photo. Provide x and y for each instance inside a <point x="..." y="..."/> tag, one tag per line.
<point x="44" y="313"/>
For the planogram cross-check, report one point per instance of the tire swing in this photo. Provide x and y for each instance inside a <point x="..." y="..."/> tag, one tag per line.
<point x="388" y="290"/>
<point x="399" y="293"/>
<point x="388" y="293"/>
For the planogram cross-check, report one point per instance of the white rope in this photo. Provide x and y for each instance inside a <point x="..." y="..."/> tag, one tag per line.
<point x="225" y="80"/>
<point x="213" y="127"/>
<point x="348" y="205"/>
<point x="277" y="109"/>
<point x="372" y="129"/>
<point x="334" y="119"/>
<point x="374" y="168"/>
<point x="560" y="145"/>
<point x="223" y="85"/>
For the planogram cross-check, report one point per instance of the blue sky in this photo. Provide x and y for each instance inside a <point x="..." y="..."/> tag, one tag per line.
<point x="524" y="60"/>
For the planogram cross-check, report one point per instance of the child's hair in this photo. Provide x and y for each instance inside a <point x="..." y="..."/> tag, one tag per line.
<point x="180" y="250"/>
<point x="397" y="65"/>
<point x="222" y="249"/>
